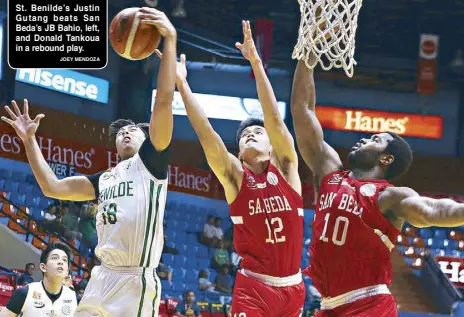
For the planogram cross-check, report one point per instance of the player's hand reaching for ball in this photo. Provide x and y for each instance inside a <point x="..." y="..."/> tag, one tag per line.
<point x="158" y="19"/>
<point x="248" y="47"/>
<point x="24" y="126"/>
<point x="181" y="69"/>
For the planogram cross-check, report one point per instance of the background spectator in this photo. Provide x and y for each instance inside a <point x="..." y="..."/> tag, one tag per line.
<point x="220" y="257"/>
<point x="208" y="237"/>
<point x="26" y="278"/>
<point x="87" y="227"/>
<point x="223" y="281"/>
<point x="204" y="284"/>
<point x="188" y="307"/>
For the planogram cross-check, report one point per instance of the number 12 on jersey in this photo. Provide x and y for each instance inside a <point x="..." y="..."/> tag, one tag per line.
<point x="274" y="227"/>
<point x="341" y="223"/>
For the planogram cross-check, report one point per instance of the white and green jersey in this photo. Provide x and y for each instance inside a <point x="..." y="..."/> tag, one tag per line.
<point x="131" y="201"/>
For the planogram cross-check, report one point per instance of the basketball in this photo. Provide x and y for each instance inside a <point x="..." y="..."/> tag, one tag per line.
<point x="132" y="39"/>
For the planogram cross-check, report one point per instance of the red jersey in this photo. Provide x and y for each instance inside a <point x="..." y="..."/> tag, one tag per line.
<point x="345" y="252"/>
<point x="268" y="224"/>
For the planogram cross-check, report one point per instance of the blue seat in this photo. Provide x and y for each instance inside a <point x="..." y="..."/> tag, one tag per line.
<point x="192" y="249"/>
<point x="450" y="244"/>
<point x="168" y="259"/>
<point x="434" y="243"/>
<point x="25" y="188"/>
<point x="180" y="261"/>
<point x="180" y="237"/>
<point x="440" y="234"/>
<point x="36" y="191"/>
<point x="426" y="233"/>
<point x="203" y="263"/>
<point x="192" y="209"/>
<point x="180" y="274"/>
<point x="2" y="183"/>
<point x="203" y="211"/>
<point x="178" y="286"/>
<point x="307" y="241"/>
<point x="191" y="286"/>
<point x="182" y="248"/>
<point x="18" y="176"/>
<point x="182" y="226"/>
<point x="44" y="202"/>
<point x="31" y="179"/>
<point x="202" y="251"/>
<point x="171" y="224"/>
<point x="212" y="297"/>
<point x="171" y="205"/>
<point x="170" y="234"/>
<point x="182" y="207"/>
<point x="31" y="201"/>
<point x="5" y="173"/>
<point x="212" y="275"/>
<point x="17" y="198"/>
<point x="191" y="264"/>
<point x="165" y="286"/>
<point x="439" y="252"/>
<point x="10" y="186"/>
<point x="191" y="275"/>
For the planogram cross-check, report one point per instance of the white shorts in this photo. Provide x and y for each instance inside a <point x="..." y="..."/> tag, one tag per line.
<point x="121" y="292"/>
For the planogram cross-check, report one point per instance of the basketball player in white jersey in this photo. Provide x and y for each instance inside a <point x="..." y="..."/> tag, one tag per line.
<point x="48" y="297"/>
<point x="131" y="196"/>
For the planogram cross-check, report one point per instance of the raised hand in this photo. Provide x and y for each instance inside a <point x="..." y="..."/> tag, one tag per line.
<point x="158" y="19"/>
<point x="181" y="69"/>
<point x="248" y="47"/>
<point x="24" y="126"/>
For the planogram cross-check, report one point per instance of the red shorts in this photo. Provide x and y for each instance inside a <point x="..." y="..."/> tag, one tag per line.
<point x="253" y="298"/>
<point x="372" y="306"/>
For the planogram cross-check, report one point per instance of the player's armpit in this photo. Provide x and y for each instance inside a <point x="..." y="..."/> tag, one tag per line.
<point x="422" y="211"/>
<point x="77" y="188"/>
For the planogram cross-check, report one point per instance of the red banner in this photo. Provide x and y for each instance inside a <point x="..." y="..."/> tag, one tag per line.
<point x="192" y="181"/>
<point x="427" y="68"/>
<point x="84" y="158"/>
<point x="453" y="268"/>
<point x="263" y="40"/>
<point x="370" y="121"/>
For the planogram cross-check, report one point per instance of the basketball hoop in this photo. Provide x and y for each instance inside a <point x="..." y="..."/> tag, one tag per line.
<point x="327" y="33"/>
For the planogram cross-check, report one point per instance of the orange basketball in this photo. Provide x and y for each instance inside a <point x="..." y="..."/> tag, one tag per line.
<point x="132" y="39"/>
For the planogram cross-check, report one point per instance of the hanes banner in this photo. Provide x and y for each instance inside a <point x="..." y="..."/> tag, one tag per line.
<point x="453" y="268"/>
<point x="427" y="68"/>
<point x="83" y="158"/>
<point x="370" y="121"/>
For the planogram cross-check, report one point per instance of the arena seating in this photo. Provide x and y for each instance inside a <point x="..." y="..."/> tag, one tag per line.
<point x="184" y="219"/>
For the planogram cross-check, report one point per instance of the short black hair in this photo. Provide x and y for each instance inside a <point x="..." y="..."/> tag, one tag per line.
<point x="55" y="245"/>
<point x="120" y="123"/>
<point x="188" y="292"/>
<point x="248" y="123"/>
<point x="401" y="151"/>
<point x="29" y="264"/>
<point x="218" y="218"/>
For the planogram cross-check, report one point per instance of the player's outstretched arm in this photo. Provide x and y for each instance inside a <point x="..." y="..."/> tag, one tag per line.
<point x="225" y="166"/>
<point x="281" y="139"/>
<point x="77" y="188"/>
<point x="161" y="121"/>
<point x="321" y="158"/>
<point x="419" y="211"/>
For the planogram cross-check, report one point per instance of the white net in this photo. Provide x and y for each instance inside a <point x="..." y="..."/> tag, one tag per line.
<point x="327" y="33"/>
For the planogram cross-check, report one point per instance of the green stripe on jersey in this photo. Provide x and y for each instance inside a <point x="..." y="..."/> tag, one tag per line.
<point x="148" y="224"/>
<point x="144" y="286"/>
<point x="158" y="192"/>
<point x="156" y="294"/>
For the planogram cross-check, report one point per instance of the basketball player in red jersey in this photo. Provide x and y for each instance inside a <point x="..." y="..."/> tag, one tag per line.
<point x="350" y="265"/>
<point x="262" y="187"/>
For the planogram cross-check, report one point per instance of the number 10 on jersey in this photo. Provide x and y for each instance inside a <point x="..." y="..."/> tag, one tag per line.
<point x="341" y="224"/>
